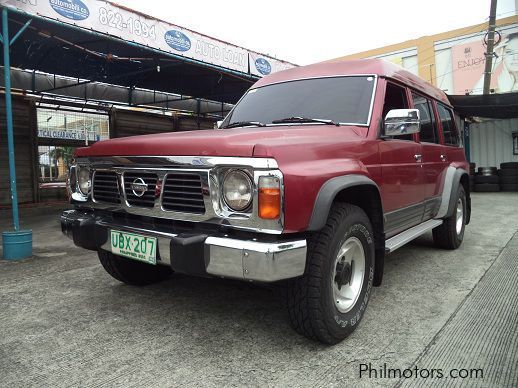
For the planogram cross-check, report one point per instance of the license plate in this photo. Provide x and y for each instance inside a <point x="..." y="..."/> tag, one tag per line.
<point x="134" y="246"/>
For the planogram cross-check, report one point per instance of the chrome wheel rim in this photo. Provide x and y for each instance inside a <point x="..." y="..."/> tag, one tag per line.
<point x="460" y="216"/>
<point x="348" y="274"/>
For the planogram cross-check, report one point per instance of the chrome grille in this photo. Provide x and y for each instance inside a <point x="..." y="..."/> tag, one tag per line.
<point x="106" y="187"/>
<point x="183" y="192"/>
<point x="148" y="198"/>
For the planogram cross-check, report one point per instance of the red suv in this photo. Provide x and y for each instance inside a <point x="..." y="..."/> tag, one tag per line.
<point x="314" y="176"/>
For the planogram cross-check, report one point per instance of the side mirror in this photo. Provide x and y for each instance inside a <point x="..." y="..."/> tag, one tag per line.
<point x="399" y="122"/>
<point x="217" y="124"/>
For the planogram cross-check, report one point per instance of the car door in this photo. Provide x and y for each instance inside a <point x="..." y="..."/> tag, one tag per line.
<point x="402" y="172"/>
<point x="434" y="158"/>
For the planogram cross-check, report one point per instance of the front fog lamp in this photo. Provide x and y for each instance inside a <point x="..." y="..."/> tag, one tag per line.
<point x="237" y="190"/>
<point x="83" y="181"/>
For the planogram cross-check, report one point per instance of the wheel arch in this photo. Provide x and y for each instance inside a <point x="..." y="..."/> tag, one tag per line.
<point x="461" y="177"/>
<point x="361" y="191"/>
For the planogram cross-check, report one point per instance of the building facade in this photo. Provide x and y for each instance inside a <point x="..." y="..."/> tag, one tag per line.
<point x="454" y="60"/>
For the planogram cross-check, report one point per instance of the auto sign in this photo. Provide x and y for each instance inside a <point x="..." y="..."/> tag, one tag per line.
<point x="71" y="9"/>
<point x="177" y="40"/>
<point x="263" y="66"/>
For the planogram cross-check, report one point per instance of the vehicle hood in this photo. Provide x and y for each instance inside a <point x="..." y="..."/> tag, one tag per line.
<point x="241" y="142"/>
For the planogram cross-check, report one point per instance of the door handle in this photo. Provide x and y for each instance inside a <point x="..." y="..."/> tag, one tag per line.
<point x="443" y="158"/>
<point x="417" y="157"/>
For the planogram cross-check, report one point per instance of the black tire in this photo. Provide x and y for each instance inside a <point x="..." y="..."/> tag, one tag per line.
<point x="509" y="187"/>
<point x="311" y="303"/>
<point x="487" y="170"/>
<point x="132" y="272"/>
<point x="446" y="236"/>
<point x="487" y="179"/>
<point x="506" y="180"/>
<point x="509" y="165"/>
<point x="508" y="173"/>
<point x="487" y="188"/>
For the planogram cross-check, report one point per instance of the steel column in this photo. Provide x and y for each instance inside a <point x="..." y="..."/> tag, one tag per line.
<point x="17" y="244"/>
<point x="9" y="120"/>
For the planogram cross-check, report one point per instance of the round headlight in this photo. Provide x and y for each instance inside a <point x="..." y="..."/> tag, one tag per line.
<point x="83" y="181"/>
<point x="237" y="190"/>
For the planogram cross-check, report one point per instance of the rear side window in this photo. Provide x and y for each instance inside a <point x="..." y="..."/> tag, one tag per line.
<point x="428" y="133"/>
<point x="451" y="135"/>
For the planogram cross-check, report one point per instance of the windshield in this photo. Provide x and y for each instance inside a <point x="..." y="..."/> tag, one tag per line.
<point x="344" y="100"/>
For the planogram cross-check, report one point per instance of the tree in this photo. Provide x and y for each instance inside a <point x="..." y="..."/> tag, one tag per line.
<point x="66" y="153"/>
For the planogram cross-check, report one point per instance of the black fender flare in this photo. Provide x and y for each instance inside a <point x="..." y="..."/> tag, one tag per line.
<point x="452" y="181"/>
<point x="325" y="199"/>
<point x="455" y="182"/>
<point x="327" y="194"/>
<point x="458" y="176"/>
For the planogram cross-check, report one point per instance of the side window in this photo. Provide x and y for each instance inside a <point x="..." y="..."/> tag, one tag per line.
<point x="429" y="133"/>
<point x="451" y="135"/>
<point x="395" y="98"/>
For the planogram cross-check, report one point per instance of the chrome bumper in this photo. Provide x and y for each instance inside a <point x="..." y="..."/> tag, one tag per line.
<point x="252" y="260"/>
<point x="219" y="255"/>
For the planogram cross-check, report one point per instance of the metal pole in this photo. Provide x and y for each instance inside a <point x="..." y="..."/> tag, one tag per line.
<point x="467" y="145"/>
<point x="9" y="119"/>
<point x="490" y="45"/>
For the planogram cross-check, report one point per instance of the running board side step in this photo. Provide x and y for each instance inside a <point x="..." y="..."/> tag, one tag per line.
<point x="402" y="238"/>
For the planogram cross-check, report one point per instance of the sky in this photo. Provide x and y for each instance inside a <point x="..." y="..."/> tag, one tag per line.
<point x="305" y="32"/>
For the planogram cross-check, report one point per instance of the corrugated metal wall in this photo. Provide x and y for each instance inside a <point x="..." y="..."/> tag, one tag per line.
<point x="24" y="122"/>
<point x="186" y="123"/>
<point x="491" y="142"/>
<point x="131" y="123"/>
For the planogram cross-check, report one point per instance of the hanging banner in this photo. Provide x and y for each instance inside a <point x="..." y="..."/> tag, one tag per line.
<point x="468" y="67"/>
<point x="110" y="19"/>
<point x="468" y="63"/>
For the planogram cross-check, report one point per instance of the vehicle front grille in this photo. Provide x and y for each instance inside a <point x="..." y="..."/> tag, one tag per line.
<point x="133" y="197"/>
<point x="183" y="192"/>
<point x="105" y="187"/>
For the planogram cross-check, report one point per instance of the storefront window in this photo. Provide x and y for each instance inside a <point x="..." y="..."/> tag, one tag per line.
<point x="60" y="132"/>
<point x="54" y="162"/>
<point x="72" y="126"/>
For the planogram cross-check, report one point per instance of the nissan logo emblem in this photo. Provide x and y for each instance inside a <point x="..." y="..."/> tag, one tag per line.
<point x="138" y="187"/>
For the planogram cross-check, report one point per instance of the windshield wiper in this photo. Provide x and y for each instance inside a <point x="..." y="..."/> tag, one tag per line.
<point x="299" y="119"/>
<point x="245" y="123"/>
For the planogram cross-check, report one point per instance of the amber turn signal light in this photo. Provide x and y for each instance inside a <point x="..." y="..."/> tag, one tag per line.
<point x="269" y="197"/>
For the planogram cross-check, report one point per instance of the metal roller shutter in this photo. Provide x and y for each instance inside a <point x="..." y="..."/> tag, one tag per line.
<point x="131" y="123"/>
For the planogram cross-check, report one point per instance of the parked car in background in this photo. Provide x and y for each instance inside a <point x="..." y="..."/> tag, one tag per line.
<point x="314" y="176"/>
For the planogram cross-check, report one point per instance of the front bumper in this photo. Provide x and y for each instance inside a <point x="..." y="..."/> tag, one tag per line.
<point x="197" y="254"/>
